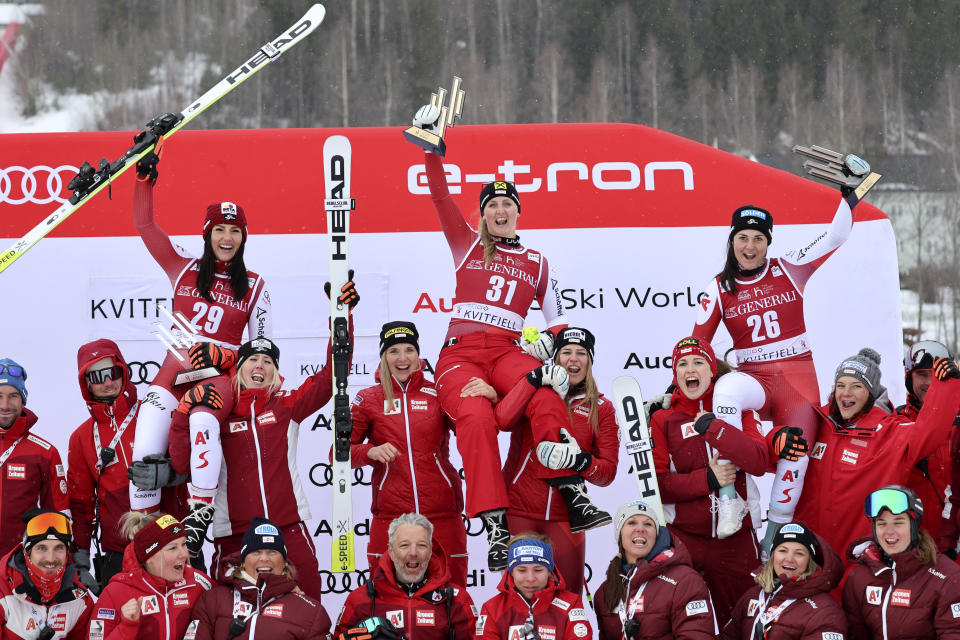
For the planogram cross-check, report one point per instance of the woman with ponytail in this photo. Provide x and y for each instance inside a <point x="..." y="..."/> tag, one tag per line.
<point x="498" y="279"/>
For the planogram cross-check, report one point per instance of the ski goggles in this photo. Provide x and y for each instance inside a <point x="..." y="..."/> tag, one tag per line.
<point x="894" y="500"/>
<point x="102" y="375"/>
<point x="40" y="524"/>
<point x="14" y="370"/>
<point x="922" y="354"/>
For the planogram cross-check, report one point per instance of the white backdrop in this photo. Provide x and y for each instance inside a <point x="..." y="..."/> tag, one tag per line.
<point x="634" y="287"/>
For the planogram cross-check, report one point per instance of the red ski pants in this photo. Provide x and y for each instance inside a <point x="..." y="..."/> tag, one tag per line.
<point x="500" y="361"/>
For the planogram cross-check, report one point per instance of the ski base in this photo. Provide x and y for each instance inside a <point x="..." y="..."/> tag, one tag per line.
<point x="636" y="438"/>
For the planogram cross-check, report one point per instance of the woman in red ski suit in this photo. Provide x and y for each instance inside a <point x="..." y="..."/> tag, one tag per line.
<point x="220" y="297"/>
<point x="651" y="590"/>
<point x="901" y="588"/>
<point x="760" y="302"/>
<point x="259" y="475"/>
<point x="408" y="444"/>
<point x="591" y="449"/>
<point x="151" y="599"/>
<point x="688" y="442"/>
<point x="498" y="279"/>
<point x="860" y="446"/>
<point x="532" y="598"/>
<point x="793" y="601"/>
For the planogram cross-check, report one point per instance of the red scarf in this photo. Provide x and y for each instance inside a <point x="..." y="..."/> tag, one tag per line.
<point x="47" y="584"/>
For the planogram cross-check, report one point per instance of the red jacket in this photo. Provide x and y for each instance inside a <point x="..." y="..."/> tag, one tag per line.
<point x="422" y="479"/>
<point x="165" y="610"/>
<point x="810" y="612"/>
<point x="21" y="613"/>
<point x="849" y="461"/>
<point x="32" y="476"/>
<point x="674" y="604"/>
<point x="259" y="475"/>
<point x="422" y="616"/>
<point x="557" y="613"/>
<point x="930" y="476"/>
<point x="83" y="458"/>
<point x="904" y="600"/>
<point x="282" y="611"/>
<point x="682" y="458"/>
<point x="530" y="496"/>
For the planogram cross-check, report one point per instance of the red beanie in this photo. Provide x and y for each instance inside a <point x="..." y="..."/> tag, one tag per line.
<point x="156" y="536"/>
<point x="225" y="213"/>
<point x="694" y="346"/>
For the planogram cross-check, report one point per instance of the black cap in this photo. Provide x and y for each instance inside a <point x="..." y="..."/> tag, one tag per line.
<point x="259" y="345"/>
<point x="399" y="332"/>
<point x="262" y="534"/>
<point x="754" y="218"/>
<point x="796" y="532"/>
<point x="574" y="335"/>
<point x="499" y="188"/>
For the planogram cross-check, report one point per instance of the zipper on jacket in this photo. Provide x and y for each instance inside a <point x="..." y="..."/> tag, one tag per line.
<point x="384" y="479"/>
<point x="406" y="424"/>
<point x="256" y="447"/>
<point x="437" y="460"/>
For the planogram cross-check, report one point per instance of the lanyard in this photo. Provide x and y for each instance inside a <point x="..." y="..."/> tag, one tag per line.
<point x="40" y="619"/>
<point x="116" y="437"/>
<point x="245" y="610"/>
<point x="765" y="618"/>
<point x="9" y="451"/>
<point x="626" y="612"/>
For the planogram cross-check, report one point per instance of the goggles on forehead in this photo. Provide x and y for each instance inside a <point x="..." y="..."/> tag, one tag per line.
<point x="922" y="354"/>
<point x="14" y="370"/>
<point x="101" y="375"/>
<point x="894" y="500"/>
<point x="39" y="525"/>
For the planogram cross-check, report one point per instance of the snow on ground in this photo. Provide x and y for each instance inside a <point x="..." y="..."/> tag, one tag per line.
<point x="937" y="319"/>
<point x="70" y="112"/>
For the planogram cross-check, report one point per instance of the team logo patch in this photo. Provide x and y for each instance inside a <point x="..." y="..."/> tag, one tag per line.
<point x="557" y="602"/>
<point x="955" y="609"/>
<point x="191" y="633"/>
<point x="149" y="605"/>
<point x="267" y="418"/>
<point x="425" y="618"/>
<point x="874" y="595"/>
<point x="418" y="405"/>
<point x="63" y="486"/>
<point x="40" y="441"/>
<point x="16" y="471"/>
<point x="831" y="635"/>
<point x="181" y="599"/>
<point x="775" y="271"/>
<point x="849" y="457"/>
<point x="752" y="608"/>
<point x="395" y="617"/>
<point x="60" y="622"/>
<point x="900" y="597"/>
<point x="819" y="449"/>
<point x="237" y="427"/>
<point x="111" y="614"/>
<point x="242" y="609"/>
<point x="687" y="430"/>
<point x="482" y="622"/>
<point x="547" y="633"/>
<point x="515" y="632"/>
<point x="577" y="614"/>
<point x="96" y="630"/>
<point x="696" y="607"/>
<point x="228" y="210"/>
<point x="387" y="411"/>
<point x="266" y="530"/>
<point x="61" y="472"/>
<point x="273" y="610"/>
<point x="534" y="256"/>
<point x="580" y="630"/>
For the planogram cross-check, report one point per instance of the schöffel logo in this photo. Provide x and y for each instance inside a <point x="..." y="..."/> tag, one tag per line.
<point x="40" y="184"/>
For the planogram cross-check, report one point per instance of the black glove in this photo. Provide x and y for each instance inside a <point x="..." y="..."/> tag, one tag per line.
<point x="348" y="292"/>
<point x="703" y="423"/>
<point x="154" y="472"/>
<point x="81" y="560"/>
<point x="712" y="481"/>
<point x="789" y="443"/>
<point x="945" y="368"/>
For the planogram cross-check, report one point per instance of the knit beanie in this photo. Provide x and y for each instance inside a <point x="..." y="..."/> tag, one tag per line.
<point x="633" y="508"/>
<point x="14" y="375"/>
<point x="399" y="332"/>
<point x="262" y="534"/>
<point x="499" y="188"/>
<point x="259" y="345"/>
<point x="694" y="346"/>
<point x="753" y="218"/>
<point x="530" y="551"/>
<point x="575" y="335"/>
<point x="156" y="535"/>
<point x="865" y="367"/>
<point x="796" y="532"/>
<point x="225" y="213"/>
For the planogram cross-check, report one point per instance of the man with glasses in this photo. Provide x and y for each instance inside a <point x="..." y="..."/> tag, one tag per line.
<point x="100" y="454"/>
<point x="930" y="477"/>
<point x="40" y="593"/>
<point x="31" y="473"/>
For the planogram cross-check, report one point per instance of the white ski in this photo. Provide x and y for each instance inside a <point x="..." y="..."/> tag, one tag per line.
<point x="336" y="163"/>
<point x="89" y="182"/>
<point x="636" y="440"/>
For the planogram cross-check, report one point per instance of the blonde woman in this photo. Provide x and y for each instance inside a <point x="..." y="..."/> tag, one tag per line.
<point x="793" y="600"/>
<point x="400" y="430"/>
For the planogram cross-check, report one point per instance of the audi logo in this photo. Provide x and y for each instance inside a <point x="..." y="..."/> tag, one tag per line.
<point x="725" y="410"/>
<point x="474" y="526"/>
<point x="37" y="185"/>
<point x="143" y="372"/>
<point x="321" y="475"/>
<point x="342" y="582"/>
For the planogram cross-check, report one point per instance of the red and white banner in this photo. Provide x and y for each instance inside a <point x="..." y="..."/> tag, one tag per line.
<point x="634" y="222"/>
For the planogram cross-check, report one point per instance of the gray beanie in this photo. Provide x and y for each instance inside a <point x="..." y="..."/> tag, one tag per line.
<point x="633" y="508"/>
<point x="865" y="367"/>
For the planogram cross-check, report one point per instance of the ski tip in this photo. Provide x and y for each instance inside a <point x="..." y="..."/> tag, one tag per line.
<point x="316" y="13"/>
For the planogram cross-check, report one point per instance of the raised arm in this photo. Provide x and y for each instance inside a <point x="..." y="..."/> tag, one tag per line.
<point x="460" y="235"/>
<point x="708" y="312"/>
<point x="156" y="240"/>
<point x="548" y="295"/>
<point x="800" y="263"/>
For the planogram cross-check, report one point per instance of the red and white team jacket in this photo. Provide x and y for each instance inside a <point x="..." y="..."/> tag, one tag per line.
<point x="32" y="475"/>
<point x="422" y="479"/>
<point x="765" y="315"/>
<point x="21" y="617"/>
<point x="557" y="613"/>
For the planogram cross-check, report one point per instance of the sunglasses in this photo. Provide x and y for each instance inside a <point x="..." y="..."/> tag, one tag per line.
<point x="14" y="370"/>
<point x="101" y="375"/>
<point x="39" y="525"/>
<point x="893" y="500"/>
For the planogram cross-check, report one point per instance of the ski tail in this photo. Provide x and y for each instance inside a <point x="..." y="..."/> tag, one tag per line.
<point x="637" y="441"/>
<point x="90" y="182"/>
<point x="338" y="203"/>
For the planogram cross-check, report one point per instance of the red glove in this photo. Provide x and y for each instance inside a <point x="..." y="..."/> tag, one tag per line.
<point x="201" y="395"/>
<point x="207" y="354"/>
